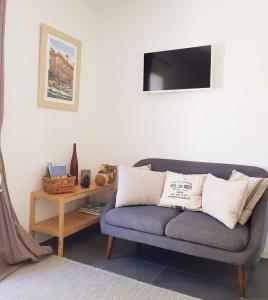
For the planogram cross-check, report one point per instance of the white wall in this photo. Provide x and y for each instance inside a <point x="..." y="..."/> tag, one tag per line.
<point x="226" y="124"/>
<point x="32" y="136"/>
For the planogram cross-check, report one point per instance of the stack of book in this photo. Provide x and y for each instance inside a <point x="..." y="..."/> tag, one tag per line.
<point x="92" y="208"/>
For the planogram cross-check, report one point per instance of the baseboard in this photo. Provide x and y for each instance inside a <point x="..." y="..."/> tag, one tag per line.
<point x="265" y="252"/>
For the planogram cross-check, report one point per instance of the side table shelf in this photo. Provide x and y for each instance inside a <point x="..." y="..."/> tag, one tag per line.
<point x="68" y="223"/>
<point x="74" y="221"/>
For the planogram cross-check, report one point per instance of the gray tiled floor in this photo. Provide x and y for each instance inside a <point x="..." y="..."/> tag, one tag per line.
<point x="190" y="275"/>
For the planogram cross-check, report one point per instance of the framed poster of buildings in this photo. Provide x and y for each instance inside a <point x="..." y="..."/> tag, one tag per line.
<point x="59" y="70"/>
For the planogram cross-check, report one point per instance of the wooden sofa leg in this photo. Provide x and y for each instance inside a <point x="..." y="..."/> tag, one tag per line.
<point x="109" y="246"/>
<point x="242" y="280"/>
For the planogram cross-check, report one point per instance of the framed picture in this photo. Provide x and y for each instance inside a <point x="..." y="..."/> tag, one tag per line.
<point x="59" y="70"/>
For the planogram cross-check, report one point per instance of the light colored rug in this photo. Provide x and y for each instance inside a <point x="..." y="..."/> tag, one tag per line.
<point x="57" y="278"/>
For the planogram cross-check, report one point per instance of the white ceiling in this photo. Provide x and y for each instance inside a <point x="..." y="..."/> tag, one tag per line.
<point x="100" y="4"/>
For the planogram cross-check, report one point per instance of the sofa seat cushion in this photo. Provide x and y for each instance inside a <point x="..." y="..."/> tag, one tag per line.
<point x="200" y="228"/>
<point x="150" y="219"/>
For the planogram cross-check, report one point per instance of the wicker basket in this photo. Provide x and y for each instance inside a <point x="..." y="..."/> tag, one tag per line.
<point x="58" y="185"/>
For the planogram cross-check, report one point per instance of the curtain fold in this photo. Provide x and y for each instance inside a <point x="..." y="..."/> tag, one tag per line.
<point x="16" y="245"/>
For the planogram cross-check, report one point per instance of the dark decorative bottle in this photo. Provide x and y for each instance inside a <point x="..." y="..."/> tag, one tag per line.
<point x="74" y="164"/>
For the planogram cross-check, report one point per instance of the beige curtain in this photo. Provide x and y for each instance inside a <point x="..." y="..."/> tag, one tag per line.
<point x="16" y="246"/>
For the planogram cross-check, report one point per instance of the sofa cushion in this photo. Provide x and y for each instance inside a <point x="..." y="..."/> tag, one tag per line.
<point x="223" y="199"/>
<point x="150" y="219"/>
<point x="200" y="228"/>
<point x="183" y="190"/>
<point x="139" y="187"/>
<point x="255" y="188"/>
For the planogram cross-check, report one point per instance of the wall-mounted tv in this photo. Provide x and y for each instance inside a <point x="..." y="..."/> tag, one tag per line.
<point x="181" y="69"/>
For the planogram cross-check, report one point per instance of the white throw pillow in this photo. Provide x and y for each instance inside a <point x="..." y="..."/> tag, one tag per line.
<point x="256" y="187"/>
<point x="224" y="200"/>
<point x="139" y="187"/>
<point x="183" y="190"/>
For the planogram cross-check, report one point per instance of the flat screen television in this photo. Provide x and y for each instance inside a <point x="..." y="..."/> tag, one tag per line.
<point x="181" y="69"/>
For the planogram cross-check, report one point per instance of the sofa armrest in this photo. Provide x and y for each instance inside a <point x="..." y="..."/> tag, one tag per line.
<point x="110" y="205"/>
<point x="258" y="228"/>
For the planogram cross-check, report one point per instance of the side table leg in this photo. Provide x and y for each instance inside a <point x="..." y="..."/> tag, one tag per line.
<point x="32" y="215"/>
<point x="61" y="229"/>
<point x="60" y="246"/>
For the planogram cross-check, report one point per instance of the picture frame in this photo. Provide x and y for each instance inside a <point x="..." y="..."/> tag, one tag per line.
<point x="59" y="70"/>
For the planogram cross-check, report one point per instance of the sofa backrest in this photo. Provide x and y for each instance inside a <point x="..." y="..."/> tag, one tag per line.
<point x="191" y="167"/>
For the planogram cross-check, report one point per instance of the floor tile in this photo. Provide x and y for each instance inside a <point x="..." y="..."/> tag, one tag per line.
<point x="130" y="267"/>
<point x="205" y="268"/>
<point x="198" y="277"/>
<point x="195" y="286"/>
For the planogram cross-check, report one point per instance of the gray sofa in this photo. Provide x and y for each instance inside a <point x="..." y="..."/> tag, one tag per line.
<point x="193" y="233"/>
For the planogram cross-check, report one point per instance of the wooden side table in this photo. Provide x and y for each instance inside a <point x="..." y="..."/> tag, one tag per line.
<point x="66" y="223"/>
